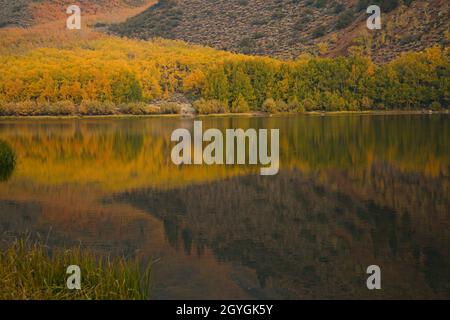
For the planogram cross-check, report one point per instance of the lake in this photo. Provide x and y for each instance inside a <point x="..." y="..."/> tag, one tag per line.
<point x="352" y="191"/>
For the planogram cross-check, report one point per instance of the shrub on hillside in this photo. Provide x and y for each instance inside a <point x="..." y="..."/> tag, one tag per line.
<point x="345" y="19"/>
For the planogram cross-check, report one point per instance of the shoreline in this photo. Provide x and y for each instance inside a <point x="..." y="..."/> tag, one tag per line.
<point x="224" y="115"/>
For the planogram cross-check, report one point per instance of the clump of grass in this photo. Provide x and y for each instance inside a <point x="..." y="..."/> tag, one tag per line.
<point x="34" y="272"/>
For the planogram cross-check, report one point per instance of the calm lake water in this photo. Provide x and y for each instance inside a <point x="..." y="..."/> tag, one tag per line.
<point x="352" y="191"/>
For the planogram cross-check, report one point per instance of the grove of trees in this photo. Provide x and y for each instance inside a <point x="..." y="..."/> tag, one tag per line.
<point x="412" y="81"/>
<point x="111" y="73"/>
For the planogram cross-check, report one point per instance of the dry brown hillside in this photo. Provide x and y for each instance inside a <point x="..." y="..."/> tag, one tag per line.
<point x="287" y="28"/>
<point x="25" y="13"/>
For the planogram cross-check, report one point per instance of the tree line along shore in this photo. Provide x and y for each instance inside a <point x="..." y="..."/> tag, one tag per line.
<point x="127" y="77"/>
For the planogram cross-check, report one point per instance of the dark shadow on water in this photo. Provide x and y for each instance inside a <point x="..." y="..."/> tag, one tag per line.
<point x="19" y="218"/>
<point x="7" y="161"/>
<point x="303" y="238"/>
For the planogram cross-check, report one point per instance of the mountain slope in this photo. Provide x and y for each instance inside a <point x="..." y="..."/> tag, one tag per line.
<point x="287" y="28"/>
<point x="25" y="13"/>
<point x="14" y="14"/>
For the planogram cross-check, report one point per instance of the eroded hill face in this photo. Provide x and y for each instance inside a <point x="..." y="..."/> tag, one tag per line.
<point x="25" y="13"/>
<point x="287" y="28"/>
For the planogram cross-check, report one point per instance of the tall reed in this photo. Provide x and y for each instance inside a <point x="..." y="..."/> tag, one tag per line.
<point x="31" y="271"/>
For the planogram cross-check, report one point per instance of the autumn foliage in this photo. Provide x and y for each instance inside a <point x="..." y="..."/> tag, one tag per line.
<point x="95" y="74"/>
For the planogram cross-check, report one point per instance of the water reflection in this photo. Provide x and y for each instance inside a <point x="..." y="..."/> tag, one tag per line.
<point x="352" y="191"/>
<point x="303" y="238"/>
<point x="7" y="161"/>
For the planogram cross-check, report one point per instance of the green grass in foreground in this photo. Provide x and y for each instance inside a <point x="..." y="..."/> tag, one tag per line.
<point x="33" y="272"/>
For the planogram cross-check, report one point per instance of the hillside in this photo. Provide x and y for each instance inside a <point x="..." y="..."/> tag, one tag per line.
<point x="287" y="28"/>
<point x="14" y="14"/>
<point x="25" y="13"/>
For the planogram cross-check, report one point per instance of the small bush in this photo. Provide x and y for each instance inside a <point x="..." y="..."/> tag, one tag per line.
<point x="272" y="106"/>
<point x="269" y="106"/>
<point x="309" y="104"/>
<point x="240" y="105"/>
<point x="6" y="109"/>
<point x="345" y="19"/>
<point x="152" y="109"/>
<point x="26" y="108"/>
<point x="295" y="106"/>
<point x="23" y="108"/>
<point x="97" y="108"/>
<point x="135" y="108"/>
<point x="203" y="106"/>
<point x="319" y="32"/>
<point x="138" y="108"/>
<point x="170" y="108"/>
<point x="61" y="108"/>
<point x="435" y="106"/>
<point x="301" y="108"/>
<point x="282" y="106"/>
